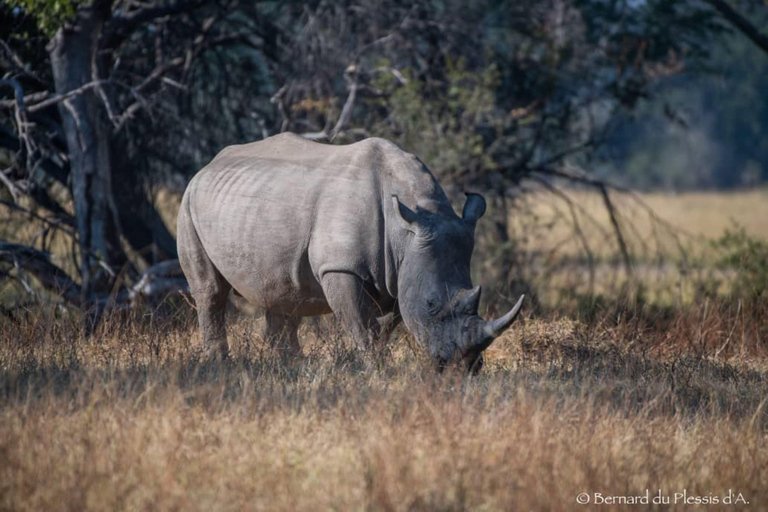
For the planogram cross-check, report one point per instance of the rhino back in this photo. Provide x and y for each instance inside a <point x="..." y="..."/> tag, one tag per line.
<point x="274" y="216"/>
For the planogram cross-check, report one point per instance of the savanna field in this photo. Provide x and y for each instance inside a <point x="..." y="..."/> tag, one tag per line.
<point x="611" y="385"/>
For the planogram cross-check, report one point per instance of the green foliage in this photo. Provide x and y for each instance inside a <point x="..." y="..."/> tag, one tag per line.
<point x="49" y="14"/>
<point x="748" y="257"/>
<point x="442" y="123"/>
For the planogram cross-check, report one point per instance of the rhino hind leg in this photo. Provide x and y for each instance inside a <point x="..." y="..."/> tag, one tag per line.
<point x="353" y="306"/>
<point x="281" y="331"/>
<point x="208" y="288"/>
<point x="211" y="301"/>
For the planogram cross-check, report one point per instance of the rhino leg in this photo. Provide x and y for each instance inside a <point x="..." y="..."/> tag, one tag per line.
<point x="387" y="325"/>
<point x="353" y="306"/>
<point x="208" y="288"/>
<point x="282" y="331"/>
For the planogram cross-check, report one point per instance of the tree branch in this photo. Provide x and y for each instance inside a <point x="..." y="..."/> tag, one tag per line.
<point x="603" y="188"/>
<point x="37" y="263"/>
<point x="121" y="26"/>
<point x="29" y="98"/>
<point x="63" y="224"/>
<point x="741" y="23"/>
<point x="20" y="66"/>
<point x="346" y="111"/>
<point x="65" y="96"/>
<point x="159" y="281"/>
<point x="617" y="228"/>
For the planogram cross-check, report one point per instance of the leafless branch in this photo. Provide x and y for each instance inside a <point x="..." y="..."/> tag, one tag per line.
<point x="27" y="144"/>
<point x="576" y="178"/>
<point x="160" y="280"/>
<point x="65" y="96"/>
<point x="16" y="60"/>
<point x="58" y="223"/>
<point x="346" y="112"/>
<point x="201" y="42"/>
<point x="29" y="98"/>
<point x="122" y="25"/>
<point x="38" y="264"/>
<point x="279" y="99"/>
<point x="741" y="23"/>
<point x="12" y="188"/>
<point x="387" y="38"/>
<point x="581" y="236"/>
<point x="601" y="186"/>
<point x="618" y="231"/>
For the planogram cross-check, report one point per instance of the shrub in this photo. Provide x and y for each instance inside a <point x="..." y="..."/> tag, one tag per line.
<point x="748" y="258"/>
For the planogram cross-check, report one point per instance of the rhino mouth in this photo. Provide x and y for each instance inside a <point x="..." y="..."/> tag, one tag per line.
<point x="469" y="352"/>
<point x="469" y="364"/>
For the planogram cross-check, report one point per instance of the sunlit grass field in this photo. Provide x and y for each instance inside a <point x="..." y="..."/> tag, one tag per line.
<point x="671" y="240"/>
<point x="616" y="396"/>
<point x="648" y="218"/>
<point x="133" y="419"/>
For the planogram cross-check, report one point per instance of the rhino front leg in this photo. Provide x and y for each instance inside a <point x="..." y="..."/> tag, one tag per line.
<point x="353" y="306"/>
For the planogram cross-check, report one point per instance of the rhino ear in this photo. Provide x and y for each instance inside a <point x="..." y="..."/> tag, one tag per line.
<point x="474" y="208"/>
<point x="405" y="215"/>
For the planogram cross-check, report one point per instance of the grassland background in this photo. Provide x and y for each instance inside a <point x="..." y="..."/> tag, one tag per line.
<point x="697" y="215"/>
<point x="631" y="395"/>
<point x="566" y="250"/>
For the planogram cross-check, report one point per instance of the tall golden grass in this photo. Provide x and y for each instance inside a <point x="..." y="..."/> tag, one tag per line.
<point x="567" y="248"/>
<point x="695" y="216"/>
<point x="608" y="393"/>
<point x="614" y="402"/>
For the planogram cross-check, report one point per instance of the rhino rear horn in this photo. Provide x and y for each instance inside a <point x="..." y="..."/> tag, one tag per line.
<point x="469" y="301"/>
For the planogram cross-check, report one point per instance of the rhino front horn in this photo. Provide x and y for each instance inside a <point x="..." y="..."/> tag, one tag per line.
<point x="493" y="328"/>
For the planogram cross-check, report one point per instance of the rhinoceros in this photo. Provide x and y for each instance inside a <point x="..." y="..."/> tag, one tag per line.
<point x="300" y="228"/>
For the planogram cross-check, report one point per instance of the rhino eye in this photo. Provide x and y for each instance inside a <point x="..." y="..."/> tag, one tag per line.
<point x="433" y="306"/>
<point x="463" y="308"/>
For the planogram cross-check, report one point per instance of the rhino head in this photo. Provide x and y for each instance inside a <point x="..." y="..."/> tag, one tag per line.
<point x="435" y="294"/>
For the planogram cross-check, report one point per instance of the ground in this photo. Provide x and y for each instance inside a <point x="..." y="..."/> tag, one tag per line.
<point x="613" y="400"/>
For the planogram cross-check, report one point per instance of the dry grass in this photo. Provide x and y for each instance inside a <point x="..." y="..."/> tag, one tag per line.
<point x="567" y="250"/>
<point x="611" y="396"/>
<point x="617" y="403"/>
<point x="695" y="216"/>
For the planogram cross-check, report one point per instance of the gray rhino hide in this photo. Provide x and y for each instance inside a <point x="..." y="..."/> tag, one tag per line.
<point x="300" y="228"/>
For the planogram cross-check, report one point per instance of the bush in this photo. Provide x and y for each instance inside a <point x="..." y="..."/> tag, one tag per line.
<point x="748" y="257"/>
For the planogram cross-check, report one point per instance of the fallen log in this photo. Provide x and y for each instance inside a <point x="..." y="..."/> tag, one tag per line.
<point x="157" y="283"/>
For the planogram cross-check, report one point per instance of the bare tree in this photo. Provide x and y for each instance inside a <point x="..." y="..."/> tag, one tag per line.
<point x="73" y="115"/>
<point x="491" y="94"/>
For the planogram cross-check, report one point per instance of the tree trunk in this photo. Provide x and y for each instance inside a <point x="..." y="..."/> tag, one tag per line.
<point x="142" y="225"/>
<point x="73" y="52"/>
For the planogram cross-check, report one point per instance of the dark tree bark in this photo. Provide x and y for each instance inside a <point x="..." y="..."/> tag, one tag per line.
<point x="141" y="223"/>
<point x="73" y="53"/>
<point x="89" y="147"/>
